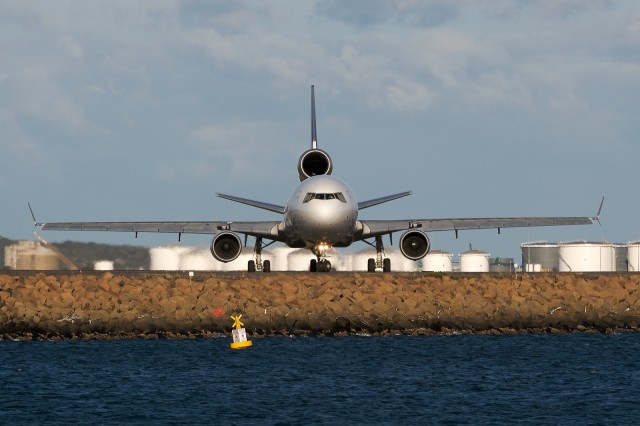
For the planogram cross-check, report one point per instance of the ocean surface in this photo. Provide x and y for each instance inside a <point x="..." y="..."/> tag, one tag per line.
<point x="456" y="379"/>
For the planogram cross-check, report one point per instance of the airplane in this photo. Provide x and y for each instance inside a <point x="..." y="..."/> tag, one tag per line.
<point x="321" y="214"/>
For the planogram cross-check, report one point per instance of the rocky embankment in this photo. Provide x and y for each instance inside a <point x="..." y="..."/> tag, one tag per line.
<point x="117" y="306"/>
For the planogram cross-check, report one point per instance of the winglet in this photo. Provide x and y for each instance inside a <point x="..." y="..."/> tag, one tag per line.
<point x="33" y="216"/>
<point x="597" y="216"/>
<point x="314" y="135"/>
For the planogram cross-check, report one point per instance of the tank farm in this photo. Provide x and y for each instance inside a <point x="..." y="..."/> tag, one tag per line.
<point x="111" y="305"/>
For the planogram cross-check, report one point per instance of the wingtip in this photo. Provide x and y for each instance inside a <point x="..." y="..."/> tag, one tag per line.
<point x="33" y="216"/>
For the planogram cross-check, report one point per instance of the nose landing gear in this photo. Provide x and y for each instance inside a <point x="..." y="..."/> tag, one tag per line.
<point x="321" y="265"/>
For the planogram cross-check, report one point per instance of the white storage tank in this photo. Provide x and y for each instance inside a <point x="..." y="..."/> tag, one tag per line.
<point x="539" y="256"/>
<point x="103" y="265"/>
<point x="280" y="257"/>
<point x="586" y="256"/>
<point x="341" y="261"/>
<point x="241" y="263"/>
<point x="621" y="262"/>
<point x="633" y="256"/>
<point x="438" y="261"/>
<point x="167" y="258"/>
<point x="360" y="259"/>
<point x="399" y="263"/>
<point x="299" y="260"/>
<point x="474" y="261"/>
<point x="197" y="260"/>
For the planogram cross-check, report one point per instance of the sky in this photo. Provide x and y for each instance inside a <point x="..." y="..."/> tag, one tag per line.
<point x="143" y="110"/>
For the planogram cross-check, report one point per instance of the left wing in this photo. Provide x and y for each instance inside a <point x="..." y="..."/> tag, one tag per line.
<point x="372" y="228"/>
<point x="268" y="229"/>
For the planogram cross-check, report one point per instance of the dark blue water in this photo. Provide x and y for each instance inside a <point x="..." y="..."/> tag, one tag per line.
<point x="459" y="379"/>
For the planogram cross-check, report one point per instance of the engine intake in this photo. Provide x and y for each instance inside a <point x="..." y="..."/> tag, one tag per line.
<point x="226" y="246"/>
<point x="314" y="162"/>
<point x="414" y="245"/>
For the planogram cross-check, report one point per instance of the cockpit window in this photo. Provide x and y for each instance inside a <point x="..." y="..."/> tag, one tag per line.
<point x="315" y="196"/>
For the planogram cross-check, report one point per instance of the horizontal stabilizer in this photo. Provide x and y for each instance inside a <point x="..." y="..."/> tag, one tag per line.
<point x="375" y="202"/>
<point x="266" y="206"/>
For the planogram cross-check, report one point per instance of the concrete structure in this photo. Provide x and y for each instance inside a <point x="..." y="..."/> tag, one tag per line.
<point x="586" y="256"/>
<point x="30" y="255"/>
<point x="501" y="264"/>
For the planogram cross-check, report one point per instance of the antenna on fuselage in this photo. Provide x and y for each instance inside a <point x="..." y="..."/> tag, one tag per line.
<point x="314" y="135"/>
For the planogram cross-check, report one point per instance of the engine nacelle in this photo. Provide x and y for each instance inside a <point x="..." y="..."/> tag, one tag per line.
<point x="226" y="246"/>
<point x="314" y="162"/>
<point x="414" y="244"/>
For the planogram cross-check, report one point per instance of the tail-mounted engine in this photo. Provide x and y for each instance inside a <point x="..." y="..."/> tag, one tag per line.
<point x="414" y="245"/>
<point x="314" y="162"/>
<point x="226" y="246"/>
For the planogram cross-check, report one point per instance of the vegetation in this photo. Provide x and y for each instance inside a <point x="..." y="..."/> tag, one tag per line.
<point x="84" y="255"/>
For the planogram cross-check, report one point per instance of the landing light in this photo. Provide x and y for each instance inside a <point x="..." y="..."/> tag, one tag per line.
<point x="322" y="249"/>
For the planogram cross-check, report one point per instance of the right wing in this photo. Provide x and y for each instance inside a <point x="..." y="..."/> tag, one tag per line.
<point x="372" y="228"/>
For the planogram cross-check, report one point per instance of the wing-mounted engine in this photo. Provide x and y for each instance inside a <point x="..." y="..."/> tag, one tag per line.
<point x="226" y="246"/>
<point x="414" y="244"/>
<point x="314" y="162"/>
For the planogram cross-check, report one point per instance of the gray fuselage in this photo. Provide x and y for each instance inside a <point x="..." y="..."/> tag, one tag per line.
<point x="322" y="210"/>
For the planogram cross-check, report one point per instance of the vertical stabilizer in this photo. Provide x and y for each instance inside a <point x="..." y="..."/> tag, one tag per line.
<point x="314" y="135"/>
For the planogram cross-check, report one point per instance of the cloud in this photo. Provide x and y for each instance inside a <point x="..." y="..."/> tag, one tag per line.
<point x="233" y="150"/>
<point x="34" y="92"/>
<point x="369" y="13"/>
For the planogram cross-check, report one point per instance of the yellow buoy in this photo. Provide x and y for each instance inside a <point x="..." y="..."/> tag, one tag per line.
<point x="239" y="335"/>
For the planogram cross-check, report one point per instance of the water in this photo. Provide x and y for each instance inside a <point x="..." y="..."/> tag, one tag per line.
<point x="458" y="379"/>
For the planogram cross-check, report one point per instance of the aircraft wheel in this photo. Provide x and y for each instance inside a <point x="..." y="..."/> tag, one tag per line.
<point x="252" y="266"/>
<point x="266" y="266"/>
<point x="313" y="265"/>
<point x="326" y="267"/>
<point x="371" y="265"/>
<point x="386" y="265"/>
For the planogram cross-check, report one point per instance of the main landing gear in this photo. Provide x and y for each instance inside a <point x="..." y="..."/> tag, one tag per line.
<point x="379" y="262"/>
<point x="259" y="264"/>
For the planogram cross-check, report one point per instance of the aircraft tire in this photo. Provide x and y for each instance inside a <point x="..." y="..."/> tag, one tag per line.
<point x="371" y="265"/>
<point x="313" y="265"/>
<point x="386" y="265"/>
<point x="326" y="267"/>
<point x="266" y="266"/>
<point x="252" y="266"/>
